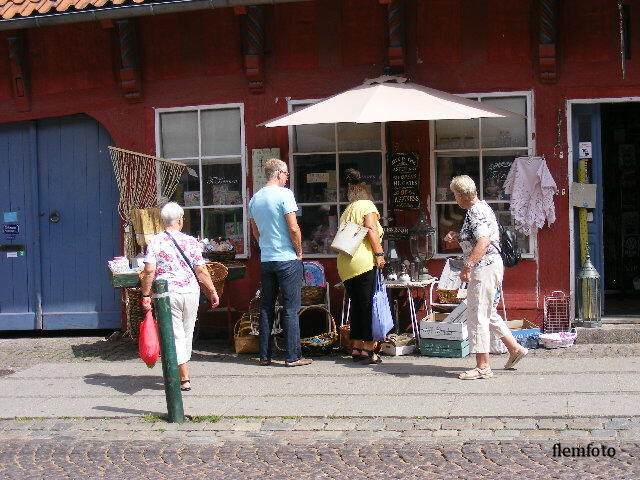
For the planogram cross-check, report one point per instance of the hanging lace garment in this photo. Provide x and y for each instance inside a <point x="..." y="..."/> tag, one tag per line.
<point x="532" y="188"/>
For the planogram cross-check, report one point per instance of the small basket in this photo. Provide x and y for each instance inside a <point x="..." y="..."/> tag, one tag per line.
<point x="345" y="338"/>
<point x="220" y="256"/>
<point x="312" y="295"/>
<point x="218" y="273"/>
<point x="323" y="343"/>
<point x="448" y="296"/>
<point x="245" y="339"/>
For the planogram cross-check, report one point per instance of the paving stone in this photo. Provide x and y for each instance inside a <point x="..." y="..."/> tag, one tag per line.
<point x="446" y="433"/>
<point x="455" y="423"/>
<point x="310" y="424"/>
<point x="619" y="424"/>
<point x="340" y="424"/>
<point x="584" y="423"/>
<point x="573" y="433"/>
<point x="538" y="434"/>
<point x="398" y="424"/>
<point x="520" y="423"/>
<point x="552" y="423"/>
<point x="604" y="433"/>
<point x="488" y="423"/>
<point x="371" y="424"/>
<point x="270" y="425"/>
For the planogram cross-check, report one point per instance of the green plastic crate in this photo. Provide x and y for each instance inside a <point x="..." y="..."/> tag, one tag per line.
<point x="444" y="348"/>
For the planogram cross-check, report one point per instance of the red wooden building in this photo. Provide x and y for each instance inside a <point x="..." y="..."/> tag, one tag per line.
<point x="192" y="80"/>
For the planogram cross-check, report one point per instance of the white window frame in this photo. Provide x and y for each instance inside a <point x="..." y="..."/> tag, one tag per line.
<point x="530" y="149"/>
<point x="338" y="203"/>
<point x="243" y="160"/>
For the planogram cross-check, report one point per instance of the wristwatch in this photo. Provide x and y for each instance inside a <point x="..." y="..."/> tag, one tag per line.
<point x="146" y="296"/>
<point x="380" y="254"/>
<point x="467" y="264"/>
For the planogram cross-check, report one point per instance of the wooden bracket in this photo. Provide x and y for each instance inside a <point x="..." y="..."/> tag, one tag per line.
<point x="395" y="22"/>
<point x="129" y="74"/>
<point x="19" y="75"/>
<point x="253" y="47"/>
<point x="547" y="58"/>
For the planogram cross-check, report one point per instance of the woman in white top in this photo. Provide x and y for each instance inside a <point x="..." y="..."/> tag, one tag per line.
<point x="483" y="269"/>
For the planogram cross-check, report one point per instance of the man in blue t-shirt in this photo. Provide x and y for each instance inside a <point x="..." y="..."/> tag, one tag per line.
<point x="274" y="224"/>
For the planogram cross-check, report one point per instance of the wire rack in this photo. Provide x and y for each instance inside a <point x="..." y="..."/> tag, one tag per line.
<point x="556" y="312"/>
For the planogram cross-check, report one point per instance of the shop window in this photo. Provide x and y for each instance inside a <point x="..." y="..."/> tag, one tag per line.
<point x="209" y="139"/>
<point x="484" y="149"/>
<point x="318" y="158"/>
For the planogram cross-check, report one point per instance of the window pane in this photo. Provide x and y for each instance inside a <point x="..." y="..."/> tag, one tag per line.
<point x="222" y="183"/>
<point x="505" y="132"/>
<point x="453" y="134"/>
<point x="450" y="165"/>
<point x="221" y="132"/>
<point x="495" y="168"/>
<point x="370" y="167"/>
<point x="359" y="136"/>
<point x="450" y="218"/>
<point x="225" y="223"/>
<point x="313" y="138"/>
<point x="192" y="222"/>
<point x="315" y="178"/>
<point x="318" y="225"/>
<point x="187" y="192"/>
<point x="503" y="215"/>
<point x="179" y="134"/>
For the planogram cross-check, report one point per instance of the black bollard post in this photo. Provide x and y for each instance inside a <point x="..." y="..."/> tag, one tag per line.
<point x="162" y="311"/>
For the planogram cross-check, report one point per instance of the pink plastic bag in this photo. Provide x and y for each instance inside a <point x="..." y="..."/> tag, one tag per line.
<point x="148" y="341"/>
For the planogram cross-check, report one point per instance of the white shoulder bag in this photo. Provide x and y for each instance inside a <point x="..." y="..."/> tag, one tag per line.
<point x="349" y="237"/>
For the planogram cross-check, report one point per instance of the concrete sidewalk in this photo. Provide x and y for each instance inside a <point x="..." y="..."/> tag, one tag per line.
<point x="332" y="386"/>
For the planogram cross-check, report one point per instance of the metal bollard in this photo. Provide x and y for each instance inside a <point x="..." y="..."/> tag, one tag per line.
<point x="162" y="310"/>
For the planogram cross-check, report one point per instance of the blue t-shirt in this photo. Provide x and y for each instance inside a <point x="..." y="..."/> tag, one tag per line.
<point x="267" y="208"/>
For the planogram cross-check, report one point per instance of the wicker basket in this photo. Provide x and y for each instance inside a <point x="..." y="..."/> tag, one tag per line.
<point x="323" y="343"/>
<point x="448" y="296"/>
<point x="312" y="295"/>
<point x="221" y="256"/>
<point x="218" y="274"/>
<point x="245" y="339"/>
<point x="345" y="338"/>
<point x="134" y="310"/>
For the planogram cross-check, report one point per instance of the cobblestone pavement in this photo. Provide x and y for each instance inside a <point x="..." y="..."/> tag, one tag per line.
<point x="391" y="459"/>
<point x="20" y="353"/>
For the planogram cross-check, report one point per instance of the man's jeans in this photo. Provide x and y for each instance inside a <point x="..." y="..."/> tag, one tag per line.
<point x="286" y="277"/>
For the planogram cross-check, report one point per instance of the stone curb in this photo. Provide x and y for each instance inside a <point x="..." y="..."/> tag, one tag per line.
<point x="312" y="429"/>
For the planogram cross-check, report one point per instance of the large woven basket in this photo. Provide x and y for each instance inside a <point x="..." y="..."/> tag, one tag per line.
<point x="323" y="343"/>
<point x="448" y="296"/>
<point x="245" y="339"/>
<point x="218" y="274"/>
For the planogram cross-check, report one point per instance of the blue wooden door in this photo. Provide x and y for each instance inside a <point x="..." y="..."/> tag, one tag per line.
<point x="70" y="226"/>
<point x="19" y="275"/>
<point x="586" y="126"/>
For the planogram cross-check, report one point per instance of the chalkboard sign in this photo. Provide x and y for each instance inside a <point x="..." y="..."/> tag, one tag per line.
<point x="396" y="233"/>
<point x="405" y="181"/>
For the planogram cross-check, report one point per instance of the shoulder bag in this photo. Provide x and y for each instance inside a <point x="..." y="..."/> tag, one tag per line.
<point x="203" y="298"/>
<point x="349" y="237"/>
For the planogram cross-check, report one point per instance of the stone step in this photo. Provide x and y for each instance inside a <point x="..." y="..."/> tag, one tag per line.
<point x="610" y="333"/>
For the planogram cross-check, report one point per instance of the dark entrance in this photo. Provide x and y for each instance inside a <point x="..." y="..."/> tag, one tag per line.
<point x="621" y="202"/>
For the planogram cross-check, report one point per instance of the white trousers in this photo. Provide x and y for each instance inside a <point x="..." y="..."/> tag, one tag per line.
<point x="184" y="310"/>
<point x="483" y="295"/>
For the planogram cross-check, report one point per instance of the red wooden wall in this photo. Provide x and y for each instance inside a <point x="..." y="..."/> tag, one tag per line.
<point x="319" y="48"/>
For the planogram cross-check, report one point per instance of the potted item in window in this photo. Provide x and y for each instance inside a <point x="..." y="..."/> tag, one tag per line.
<point x="218" y="194"/>
<point x="192" y="198"/>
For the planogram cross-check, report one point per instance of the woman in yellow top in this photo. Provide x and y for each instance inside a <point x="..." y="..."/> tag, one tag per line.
<point x="358" y="272"/>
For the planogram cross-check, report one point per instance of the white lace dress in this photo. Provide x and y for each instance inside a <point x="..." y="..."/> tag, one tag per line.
<point x="532" y="188"/>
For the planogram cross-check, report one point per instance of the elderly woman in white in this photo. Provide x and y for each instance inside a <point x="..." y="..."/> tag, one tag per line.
<point x="177" y="258"/>
<point x="483" y="269"/>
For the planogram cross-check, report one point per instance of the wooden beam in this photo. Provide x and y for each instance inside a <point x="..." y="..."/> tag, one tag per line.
<point x="129" y="74"/>
<point x="547" y="56"/>
<point x="395" y="23"/>
<point x="18" y="71"/>
<point x="253" y="47"/>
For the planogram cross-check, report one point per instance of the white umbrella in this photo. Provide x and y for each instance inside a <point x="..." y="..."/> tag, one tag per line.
<point x="389" y="99"/>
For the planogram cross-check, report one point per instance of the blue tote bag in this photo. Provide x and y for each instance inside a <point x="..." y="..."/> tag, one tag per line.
<point x="382" y="321"/>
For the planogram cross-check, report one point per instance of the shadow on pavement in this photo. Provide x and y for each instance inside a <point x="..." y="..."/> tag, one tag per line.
<point x="111" y="350"/>
<point x="132" y="411"/>
<point x="128" y="384"/>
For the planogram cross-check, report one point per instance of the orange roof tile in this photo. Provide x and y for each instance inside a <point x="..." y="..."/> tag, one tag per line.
<point x="24" y="8"/>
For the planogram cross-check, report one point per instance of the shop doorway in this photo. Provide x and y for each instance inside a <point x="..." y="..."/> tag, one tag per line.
<point x="58" y="203"/>
<point x="621" y="207"/>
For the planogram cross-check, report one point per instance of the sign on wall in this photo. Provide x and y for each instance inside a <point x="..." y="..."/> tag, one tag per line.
<point x="404" y="171"/>
<point x="258" y="157"/>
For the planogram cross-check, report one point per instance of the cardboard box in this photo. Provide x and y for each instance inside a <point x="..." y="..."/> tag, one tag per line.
<point x="389" y="349"/>
<point x="521" y="324"/>
<point x="444" y="348"/>
<point x="443" y="330"/>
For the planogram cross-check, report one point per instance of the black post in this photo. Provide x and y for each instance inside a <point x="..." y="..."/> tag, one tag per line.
<point x="162" y="310"/>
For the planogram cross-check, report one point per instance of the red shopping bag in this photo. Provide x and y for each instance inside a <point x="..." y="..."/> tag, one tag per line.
<point x="148" y="341"/>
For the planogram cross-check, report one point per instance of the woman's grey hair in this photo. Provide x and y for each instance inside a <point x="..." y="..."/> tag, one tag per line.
<point x="465" y="186"/>
<point x="272" y="167"/>
<point x="361" y="191"/>
<point x="171" y="213"/>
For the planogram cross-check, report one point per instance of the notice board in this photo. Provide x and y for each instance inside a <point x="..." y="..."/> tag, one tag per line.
<point x="404" y="175"/>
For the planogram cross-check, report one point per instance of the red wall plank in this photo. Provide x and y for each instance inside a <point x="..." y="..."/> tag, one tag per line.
<point x="296" y="39"/>
<point x="589" y="25"/>
<point x="439" y="31"/>
<point x="363" y="32"/>
<point x="509" y="31"/>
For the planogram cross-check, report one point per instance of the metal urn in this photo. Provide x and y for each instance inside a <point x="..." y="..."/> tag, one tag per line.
<point x="422" y="237"/>
<point x="589" y="302"/>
